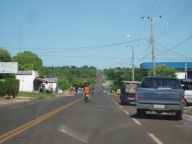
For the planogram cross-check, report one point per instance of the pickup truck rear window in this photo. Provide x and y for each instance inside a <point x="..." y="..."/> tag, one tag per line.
<point x="161" y="82"/>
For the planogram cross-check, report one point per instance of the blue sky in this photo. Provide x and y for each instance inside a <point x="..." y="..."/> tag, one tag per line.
<point x="94" y="32"/>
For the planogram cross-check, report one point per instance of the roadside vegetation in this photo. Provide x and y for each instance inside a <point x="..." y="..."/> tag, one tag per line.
<point x="35" y="95"/>
<point x="115" y="76"/>
<point x="72" y="77"/>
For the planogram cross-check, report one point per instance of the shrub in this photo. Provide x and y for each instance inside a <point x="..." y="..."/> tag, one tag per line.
<point x="13" y="87"/>
<point x="3" y="87"/>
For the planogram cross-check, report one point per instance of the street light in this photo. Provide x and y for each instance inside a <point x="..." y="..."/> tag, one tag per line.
<point x="119" y="62"/>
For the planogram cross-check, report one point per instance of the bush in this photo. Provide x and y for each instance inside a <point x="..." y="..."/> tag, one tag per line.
<point x="3" y="87"/>
<point x="13" y="87"/>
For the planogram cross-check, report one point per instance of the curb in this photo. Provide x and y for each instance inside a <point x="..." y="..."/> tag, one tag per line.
<point x="187" y="117"/>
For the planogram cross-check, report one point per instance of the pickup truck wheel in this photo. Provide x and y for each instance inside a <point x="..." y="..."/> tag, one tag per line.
<point x="179" y="115"/>
<point x="122" y="102"/>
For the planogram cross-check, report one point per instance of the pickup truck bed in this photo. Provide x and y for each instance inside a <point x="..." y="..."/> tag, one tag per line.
<point x="159" y="94"/>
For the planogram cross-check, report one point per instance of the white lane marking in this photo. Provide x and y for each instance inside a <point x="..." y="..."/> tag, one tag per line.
<point x="126" y="112"/>
<point x="137" y="122"/>
<point x="15" y="106"/>
<point x="116" y="103"/>
<point x="120" y="106"/>
<point x="155" y="139"/>
<point x="29" y="103"/>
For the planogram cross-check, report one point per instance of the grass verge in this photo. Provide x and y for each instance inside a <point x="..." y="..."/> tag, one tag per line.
<point x="35" y="95"/>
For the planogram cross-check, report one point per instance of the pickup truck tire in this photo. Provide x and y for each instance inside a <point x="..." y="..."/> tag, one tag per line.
<point x="122" y="102"/>
<point x="179" y="115"/>
<point x="140" y="112"/>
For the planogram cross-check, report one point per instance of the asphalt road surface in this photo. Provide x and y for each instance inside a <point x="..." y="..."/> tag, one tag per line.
<point x="69" y="120"/>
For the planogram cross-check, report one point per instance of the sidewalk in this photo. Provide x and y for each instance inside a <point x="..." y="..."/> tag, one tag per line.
<point x="9" y="101"/>
<point x="187" y="113"/>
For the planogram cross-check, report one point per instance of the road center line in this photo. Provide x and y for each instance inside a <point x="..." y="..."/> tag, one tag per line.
<point x="126" y="112"/>
<point x="120" y="106"/>
<point x="28" y="125"/>
<point x="155" y="139"/>
<point x="116" y="103"/>
<point x="15" y="106"/>
<point x="137" y="122"/>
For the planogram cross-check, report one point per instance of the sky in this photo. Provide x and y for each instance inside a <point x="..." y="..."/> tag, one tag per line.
<point x="95" y="32"/>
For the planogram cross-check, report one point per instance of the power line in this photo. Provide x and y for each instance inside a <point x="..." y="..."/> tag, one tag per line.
<point x="171" y="8"/>
<point x="78" y="48"/>
<point x="157" y="7"/>
<point x="175" y="47"/>
<point x="174" y="21"/>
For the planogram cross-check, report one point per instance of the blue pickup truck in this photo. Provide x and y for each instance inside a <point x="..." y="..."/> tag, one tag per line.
<point x="160" y="94"/>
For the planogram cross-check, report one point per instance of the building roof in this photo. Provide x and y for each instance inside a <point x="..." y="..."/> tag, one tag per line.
<point x="43" y="80"/>
<point x="29" y="72"/>
<point x="54" y="80"/>
<point x="175" y="65"/>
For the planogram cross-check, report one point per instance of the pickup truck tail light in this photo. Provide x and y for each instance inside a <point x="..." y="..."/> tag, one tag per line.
<point x="136" y="96"/>
<point x="182" y="97"/>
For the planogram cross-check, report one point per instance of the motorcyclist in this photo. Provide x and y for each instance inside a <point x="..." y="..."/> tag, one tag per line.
<point x="87" y="90"/>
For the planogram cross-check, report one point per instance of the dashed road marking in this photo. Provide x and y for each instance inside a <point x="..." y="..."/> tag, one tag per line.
<point x="15" y="106"/>
<point x="126" y="112"/>
<point x="120" y="106"/>
<point x="116" y="103"/>
<point x="29" y="103"/>
<point x="155" y="139"/>
<point x="137" y="122"/>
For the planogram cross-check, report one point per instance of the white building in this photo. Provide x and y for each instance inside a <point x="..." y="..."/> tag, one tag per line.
<point x="181" y="75"/>
<point x="26" y="80"/>
<point x="51" y="85"/>
<point x="30" y="81"/>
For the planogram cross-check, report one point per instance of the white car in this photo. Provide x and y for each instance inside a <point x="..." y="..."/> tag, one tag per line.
<point x="188" y="97"/>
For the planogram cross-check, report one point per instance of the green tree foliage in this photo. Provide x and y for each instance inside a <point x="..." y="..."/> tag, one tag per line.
<point x="4" y="55"/>
<point x="163" y="70"/>
<point x="63" y="84"/>
<point x="78" y="82"/>
<point x="117" y="75"/>
<point x="73" y="74"/>
<point x="28" y="60"/>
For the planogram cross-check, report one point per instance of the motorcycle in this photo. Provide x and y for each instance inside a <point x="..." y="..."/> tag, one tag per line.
<point x="87" y="98"/>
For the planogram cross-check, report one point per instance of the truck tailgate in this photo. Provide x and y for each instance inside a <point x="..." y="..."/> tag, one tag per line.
<point x="159" y="96"/>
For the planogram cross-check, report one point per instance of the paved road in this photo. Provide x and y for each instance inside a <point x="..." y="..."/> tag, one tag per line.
<point x="69" y="120"/>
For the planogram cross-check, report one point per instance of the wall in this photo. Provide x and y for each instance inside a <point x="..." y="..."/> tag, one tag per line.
<point x="26" y="81"/>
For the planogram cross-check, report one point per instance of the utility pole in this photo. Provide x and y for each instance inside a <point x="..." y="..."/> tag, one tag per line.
<point x="20" y="34"/>
<point x="152" y="21"/>
<point x="133" y="67"/>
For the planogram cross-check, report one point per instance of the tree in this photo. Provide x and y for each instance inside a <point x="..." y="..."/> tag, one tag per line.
<point x="163" y="70"/>
<point x="78" y="82"/>
<point x="63" y="84"/>
<point x="28" y="61"/>
<point x="5" y="57"/>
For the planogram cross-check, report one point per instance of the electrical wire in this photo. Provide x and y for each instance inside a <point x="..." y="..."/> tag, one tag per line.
<point x="175" y="20"/>
<point x="175" y="47"/>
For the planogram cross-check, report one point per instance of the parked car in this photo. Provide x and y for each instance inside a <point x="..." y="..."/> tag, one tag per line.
<point x="128" y="91"/>
<point x="187" y="87"/>
<point x="160" y="94"/>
